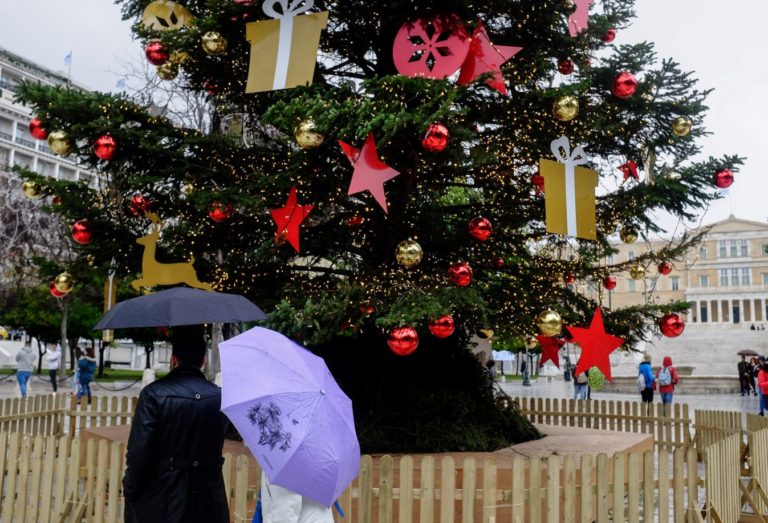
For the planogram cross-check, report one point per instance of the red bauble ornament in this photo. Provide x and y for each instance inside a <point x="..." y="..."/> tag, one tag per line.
<point x="56" y="293"/>
<point x="436" y="138"/>
<point x="105" y="147"/>
<point x="156" y="53"/>
<point x="355" y="221"/>
<point x="442" y="327"/>
<point x="569" y="279"/>
<point x="565" y="66"/>
<point x="724" y="178"/>
<point x="82" y="232"/>
<point x="56" y="200"/>
<point x="538" y="182"/>
<point x="609" y="282"/>
<point x="672" y="325"/>
<point x="460" y="274"/>
<point x="210" y="87"/>
<point x="220" y="212"/>
<point x="36" y="129"/>
<point x="624" y="85"/>
<point x="480" y="228"/>
<point x="139" y="205"/>
<point x="403" y="340"/>
<point x="609" y="36"/>
<point x="498" y="262"/>
<point x="665" y="268"/>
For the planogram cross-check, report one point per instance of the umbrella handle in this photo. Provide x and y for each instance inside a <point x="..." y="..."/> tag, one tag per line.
<point x="338" y="508"/>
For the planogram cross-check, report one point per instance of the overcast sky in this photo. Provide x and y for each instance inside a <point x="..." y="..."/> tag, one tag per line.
<point x="723" y="43"/>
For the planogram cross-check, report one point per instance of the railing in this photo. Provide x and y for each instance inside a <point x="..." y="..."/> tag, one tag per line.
<point x="670" y="431"/>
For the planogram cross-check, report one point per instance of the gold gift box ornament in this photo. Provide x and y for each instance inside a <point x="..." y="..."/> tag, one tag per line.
<point x="284" y="50"/>
<point x="570" y="196"/>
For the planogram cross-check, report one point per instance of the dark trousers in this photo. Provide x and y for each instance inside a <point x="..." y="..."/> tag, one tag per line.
<point x="647" y="395"/>
<point x="52" y="373"/>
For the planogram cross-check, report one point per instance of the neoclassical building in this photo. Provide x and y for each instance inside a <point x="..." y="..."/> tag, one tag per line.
<point x="17" y="147"/>
<point x="725" y="277"/>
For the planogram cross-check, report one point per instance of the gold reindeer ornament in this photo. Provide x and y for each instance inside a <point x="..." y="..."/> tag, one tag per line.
<point x="156" y="273"/>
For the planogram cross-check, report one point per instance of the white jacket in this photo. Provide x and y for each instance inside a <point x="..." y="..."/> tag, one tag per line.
<point x="54" y="358"/>
<point x="280" y="505"/>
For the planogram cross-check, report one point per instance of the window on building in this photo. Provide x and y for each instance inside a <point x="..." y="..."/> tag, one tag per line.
<point x="702" y="253"/>
<point x="630" y="255"/>
<point x="675" y="283"/>
<point x="746" y="277"/>
<point x="723" y="277"/>
<point x="723" y="251"/>
<point x="704" y="313"/>
<point x="734" y="277"/>
<point x="744" y="248"/>
<point x="704" y="280"/>
<point x="764" y="249"/>
<point x="765" y="278"/>
<point x="734" y="252"/>
<point x="631" y="285"/>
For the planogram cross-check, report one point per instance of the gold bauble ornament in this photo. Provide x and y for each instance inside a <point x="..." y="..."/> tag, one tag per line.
<point x="59" y="143"/>
<point x="64" y="282"/>
<point x="409" y="254"/>
<point x="549" y="323"/>
<point x="637" y="272"/>
<point x="178" y="57"/>
<point x="566" y="108"/>
<point x="32" y="190"/>
<point x="681" y="126"/>
<point x="213" y="43"/>
<point x="531" y="342"/>
<point x="165" y="15"/>
<point x="307" y="136"/>
<point x="168" y="71"/>
<point x="628" y="234"/>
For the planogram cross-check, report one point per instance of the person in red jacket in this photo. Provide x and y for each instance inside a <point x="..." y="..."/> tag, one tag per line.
<point x="666" y="378"/>
<point x="762" y="384"/>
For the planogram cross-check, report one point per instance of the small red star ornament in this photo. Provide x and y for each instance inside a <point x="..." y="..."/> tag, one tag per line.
<point x="370" y="172"/>
<point x="629" y="169"/>
<point x="596" y="345"/>
<point x="289" y="218"/>
<point x="550" y="350"/>
<point x="484" y="57"/>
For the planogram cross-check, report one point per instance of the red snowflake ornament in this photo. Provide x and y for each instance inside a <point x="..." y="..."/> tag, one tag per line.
<point x="431" y="47"/>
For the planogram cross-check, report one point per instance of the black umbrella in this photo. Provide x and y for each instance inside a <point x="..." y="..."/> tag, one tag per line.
<point x="747" y="352"/>
<point x="180" y="306"/>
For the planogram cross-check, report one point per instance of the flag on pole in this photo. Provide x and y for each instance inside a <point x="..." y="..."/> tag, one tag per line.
<point x="68" y="58"/>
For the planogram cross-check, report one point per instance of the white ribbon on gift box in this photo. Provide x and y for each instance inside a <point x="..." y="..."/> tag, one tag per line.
<point x="570" y="160"/>
<point x="289" y="9"/>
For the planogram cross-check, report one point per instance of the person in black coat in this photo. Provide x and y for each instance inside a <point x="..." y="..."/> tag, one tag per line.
<point x="174" y="460"/>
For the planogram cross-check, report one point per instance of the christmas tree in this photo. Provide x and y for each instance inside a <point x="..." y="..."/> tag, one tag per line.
<point x="380" y="196"/>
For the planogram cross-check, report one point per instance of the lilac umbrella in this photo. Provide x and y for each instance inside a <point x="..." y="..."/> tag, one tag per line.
<point x="292" y="414"/>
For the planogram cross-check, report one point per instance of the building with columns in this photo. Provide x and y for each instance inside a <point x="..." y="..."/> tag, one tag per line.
<point x="725" y="277"/>
<point x="17" y="147"/>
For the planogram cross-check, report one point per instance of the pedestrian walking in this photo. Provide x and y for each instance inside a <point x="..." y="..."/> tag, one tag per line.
<point x="754" y="369"/>
<point x="743" y="370"/>
<point x="86" y="367"/>
<point x="53" y="357"/>
<point x="762" y="384"/>
<point x="174" y="461"/>
<point x="645" y="380"/>
<point x="667" y="378"/>
<point x="580" y="382"/>
<point x="280" y="505"/>
<point x="25" y="364"/>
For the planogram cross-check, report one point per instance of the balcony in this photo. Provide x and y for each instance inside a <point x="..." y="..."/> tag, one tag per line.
<point x="6" y="136"/>
<point x="732" y="289"/>
<point x="25" y="142"/>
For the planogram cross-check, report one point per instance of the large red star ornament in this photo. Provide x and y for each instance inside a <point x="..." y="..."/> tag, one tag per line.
<point x="484" y="57"/>
<point x="370" y="172"/>
<point x="289" y="218"/>
<point x="579" y="19"/>
<point x="550" y="350"/>
<point x="596" y="345"/>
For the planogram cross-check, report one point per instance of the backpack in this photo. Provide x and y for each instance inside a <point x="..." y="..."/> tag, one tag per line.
<point x="640" y="382"/>
<point x="582" y="378"/>
<point x="665" y="377"/>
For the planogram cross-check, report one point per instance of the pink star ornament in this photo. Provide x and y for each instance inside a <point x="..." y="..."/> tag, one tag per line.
<point x="483" y="58"/>
<point x="370" y="172"/>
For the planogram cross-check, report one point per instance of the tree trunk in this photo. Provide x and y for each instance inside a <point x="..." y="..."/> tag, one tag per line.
<point x="102" y="348"/>
<point x="40" y="354"/>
